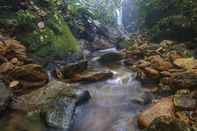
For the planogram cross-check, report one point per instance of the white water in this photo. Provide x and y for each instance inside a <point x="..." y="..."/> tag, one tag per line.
<point x="119" y="13"/>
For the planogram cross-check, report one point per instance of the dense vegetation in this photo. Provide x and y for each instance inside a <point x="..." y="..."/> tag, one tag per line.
<point x="174" y="19"/>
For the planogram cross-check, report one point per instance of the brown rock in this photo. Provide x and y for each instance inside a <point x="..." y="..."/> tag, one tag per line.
<point x="163" y="107"/>
<point x="173" y="55"/>
<point x="5" y="67"/>
<point x="182" y="80"/>
<point x="166" y="74"/>
<point x="142" y="63"/>
<point x="186" y="63"/>
<point x="29" y="76"/>
<point x="12" y="48"/>
<point x="151" y="71"/>
<point x="159" y="63"/>
<point x="92" y="76"/>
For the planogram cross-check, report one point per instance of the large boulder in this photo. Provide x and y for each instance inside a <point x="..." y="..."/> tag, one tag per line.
<point x="63" y="110"/>
<point x="163" y="107"/>
<point x="42" y="97"/>
<point x="168" y="124"/>
<point x="5" y="96"/>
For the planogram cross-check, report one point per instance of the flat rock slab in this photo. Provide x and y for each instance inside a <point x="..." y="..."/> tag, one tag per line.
<point x="40" y="98"/>
<point x="163" y="107"/>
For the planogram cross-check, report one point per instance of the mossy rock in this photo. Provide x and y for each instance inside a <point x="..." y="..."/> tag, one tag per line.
<point x="54" y="39"/>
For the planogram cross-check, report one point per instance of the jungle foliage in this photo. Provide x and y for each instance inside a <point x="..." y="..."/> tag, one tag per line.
<point x="172" y="19"/>
<point x="39" y="25"/>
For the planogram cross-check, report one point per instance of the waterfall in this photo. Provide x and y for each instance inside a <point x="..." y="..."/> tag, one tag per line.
<point x="119" y="13"/>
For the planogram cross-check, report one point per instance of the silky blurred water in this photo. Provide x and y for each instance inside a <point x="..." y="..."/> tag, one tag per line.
<point x="114" y="104"/>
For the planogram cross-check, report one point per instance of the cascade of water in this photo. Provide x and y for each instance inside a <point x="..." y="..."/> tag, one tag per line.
<point x="119" y="13"/>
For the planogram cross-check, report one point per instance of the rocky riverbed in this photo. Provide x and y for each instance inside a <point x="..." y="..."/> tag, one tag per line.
<point x="150" y="86"/>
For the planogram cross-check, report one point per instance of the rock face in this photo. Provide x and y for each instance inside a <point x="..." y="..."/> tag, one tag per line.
<point x="163" y="107"/>
<point x="110" y="58"/>
<point x="74" y="68"/>
<point x="5" y="96"/>
<point x="168" y="124"/>
<point x="61" y="117"/>
<point x="42" y="97"/>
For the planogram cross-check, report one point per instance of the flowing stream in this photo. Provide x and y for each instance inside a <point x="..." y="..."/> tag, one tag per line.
<point x="114" y="104"/>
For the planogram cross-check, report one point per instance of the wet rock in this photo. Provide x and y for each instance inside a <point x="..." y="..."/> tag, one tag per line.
<point x="61" y="117"/>
<point x="159" y="63"/>
<point x="74" y="68"/>
<point x="42" y="97"/>
<point x="163" y="107"/>
<point x="88" y="77"/>
<point x="183" y="100"/>
<point x="5" y="96"/>
<point x="83" y="97"/>
<point x="28" y="76"/>
<point x="168" y="124"/>
<point x="110" y="58"/>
